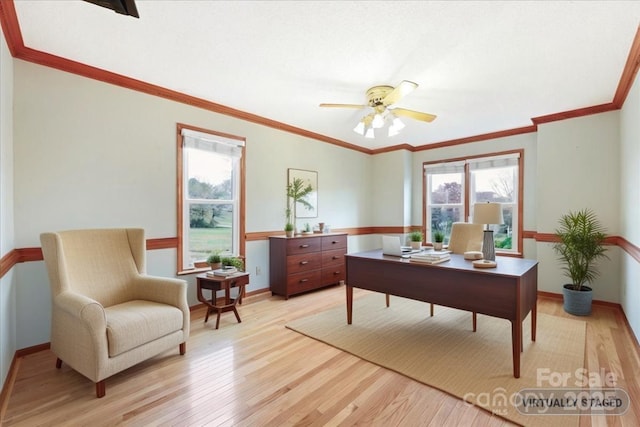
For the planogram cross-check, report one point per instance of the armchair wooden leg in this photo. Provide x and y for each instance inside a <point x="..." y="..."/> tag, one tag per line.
<point x="431" y="309"/>
<point x="100" y="389"/>
<point x="475" y="321"/>
<point x="58" y="363"/>
<point x="387" y="299"/>
<point x="183" y="348"/>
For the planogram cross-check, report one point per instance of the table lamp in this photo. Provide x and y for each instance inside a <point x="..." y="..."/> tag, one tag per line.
<point x="487" y="214"/>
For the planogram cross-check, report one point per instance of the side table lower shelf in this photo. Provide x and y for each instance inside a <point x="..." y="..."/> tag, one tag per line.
<point x="220" y="283"/>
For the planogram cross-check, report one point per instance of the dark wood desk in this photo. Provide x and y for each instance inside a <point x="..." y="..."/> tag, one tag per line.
<point x="508" y="291"/>
<point x="220" y="283"/>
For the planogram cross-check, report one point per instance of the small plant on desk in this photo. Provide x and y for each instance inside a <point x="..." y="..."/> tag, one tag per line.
<point x="438" y="239"/>
<point x="416" y="239"/>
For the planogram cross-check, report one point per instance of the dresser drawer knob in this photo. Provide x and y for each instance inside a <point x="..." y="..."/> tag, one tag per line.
<point x="304" y="246"/>
<point x="336" y="257"/>
<point x="304" y="280"/>
<point x="304" y="262"/>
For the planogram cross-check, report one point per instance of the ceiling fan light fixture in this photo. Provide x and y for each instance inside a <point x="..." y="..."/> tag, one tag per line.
<point x="359" y="129"/>
<point x="369" y="134"/>
<point x="397" y="124"/>
<point x="393" y="131"/>
<point x="378" y="121"/>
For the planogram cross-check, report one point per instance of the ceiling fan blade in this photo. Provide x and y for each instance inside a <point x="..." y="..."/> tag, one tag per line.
<point x="343" y="105"/>
<point x="404" y="88"/>
<point x="425" y="117"/>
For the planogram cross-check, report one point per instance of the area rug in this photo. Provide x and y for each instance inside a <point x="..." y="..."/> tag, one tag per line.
<point x="443" y="352"/>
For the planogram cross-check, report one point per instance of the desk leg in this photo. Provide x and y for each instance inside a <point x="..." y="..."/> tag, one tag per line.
<point x="516" y="344"/>
<point x="349" y="303"/>
<point x="534" y="320"/>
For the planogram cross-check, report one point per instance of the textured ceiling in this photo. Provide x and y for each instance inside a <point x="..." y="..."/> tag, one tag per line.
<point x="482" y="67"/>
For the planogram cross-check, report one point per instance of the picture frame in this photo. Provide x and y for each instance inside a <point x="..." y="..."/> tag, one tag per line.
<point x="311" y="178"/>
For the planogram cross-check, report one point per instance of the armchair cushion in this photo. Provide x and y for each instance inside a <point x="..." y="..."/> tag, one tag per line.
<point x="137" y="322"/>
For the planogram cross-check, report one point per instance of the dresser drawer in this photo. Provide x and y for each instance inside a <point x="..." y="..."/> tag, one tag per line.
<point x="301" y="282"/>
<point x="333" y="257"/>
<point x="303" y="262"/>
<point x="303" y="245"/>
<point x="334" y="242"/>
<point x="333" y="274"/>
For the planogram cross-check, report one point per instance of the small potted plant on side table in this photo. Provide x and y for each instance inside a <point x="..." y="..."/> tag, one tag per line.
<point x="214" y="260"/>
<point x="233" y="261"/>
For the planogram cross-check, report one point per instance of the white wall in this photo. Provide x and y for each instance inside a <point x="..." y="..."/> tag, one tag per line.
<point x="8" y="282"/>
<point x="577" y="168"/>
<point x="630" y="204"/>
<point x="387" y="186"/>
<point x="89" y="154"/>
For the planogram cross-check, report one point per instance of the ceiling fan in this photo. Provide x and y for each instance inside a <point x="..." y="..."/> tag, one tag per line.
<point x="381" y="100"/>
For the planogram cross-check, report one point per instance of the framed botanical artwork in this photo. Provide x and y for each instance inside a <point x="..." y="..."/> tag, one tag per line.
<point x="302" y="188"/>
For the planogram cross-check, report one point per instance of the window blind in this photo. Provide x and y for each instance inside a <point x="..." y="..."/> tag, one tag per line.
<point x="214" y="143"/>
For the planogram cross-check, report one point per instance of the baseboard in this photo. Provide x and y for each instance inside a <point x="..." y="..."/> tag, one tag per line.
<point x="554" y="295"/>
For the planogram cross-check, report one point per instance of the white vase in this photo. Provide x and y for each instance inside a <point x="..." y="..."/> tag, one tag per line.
<point x="437" y="246"/>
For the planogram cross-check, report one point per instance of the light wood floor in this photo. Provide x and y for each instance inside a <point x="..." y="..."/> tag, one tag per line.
<point x="258" y="373"/>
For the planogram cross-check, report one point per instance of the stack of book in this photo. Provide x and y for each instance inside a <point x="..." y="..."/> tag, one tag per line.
<point x="431" y="257"/>
<point x="223" y="272"/>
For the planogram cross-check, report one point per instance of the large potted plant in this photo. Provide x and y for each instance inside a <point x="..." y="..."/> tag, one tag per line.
<point x="581" y="245"/>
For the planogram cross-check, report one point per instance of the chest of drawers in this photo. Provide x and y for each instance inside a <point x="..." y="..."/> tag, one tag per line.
<point x="301" y="264"/>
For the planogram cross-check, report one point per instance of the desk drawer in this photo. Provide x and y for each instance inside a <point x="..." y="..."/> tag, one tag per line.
<point x="334" y="242"/>
<point x="333" y="274"/>
<point x="302" y="282"/>
<point x="303" y="245"/>
<point x="303" y="262"/>
<point x="333" y="257"/>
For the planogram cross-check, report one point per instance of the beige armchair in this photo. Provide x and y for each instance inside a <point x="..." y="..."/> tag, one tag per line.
<point x="107" y="314"/>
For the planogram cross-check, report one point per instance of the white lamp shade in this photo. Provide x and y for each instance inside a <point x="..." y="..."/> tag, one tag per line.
<point x="487" y="213"/>
<point x="397" y="124"/>
<point x="359" y="128"/>
<point x="369" y="133"/>
<point x="377" y="122"/>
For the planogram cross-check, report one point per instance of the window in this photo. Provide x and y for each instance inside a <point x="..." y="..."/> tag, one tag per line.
<point x="210" y="195"/>
<point x="452" y="187"/>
